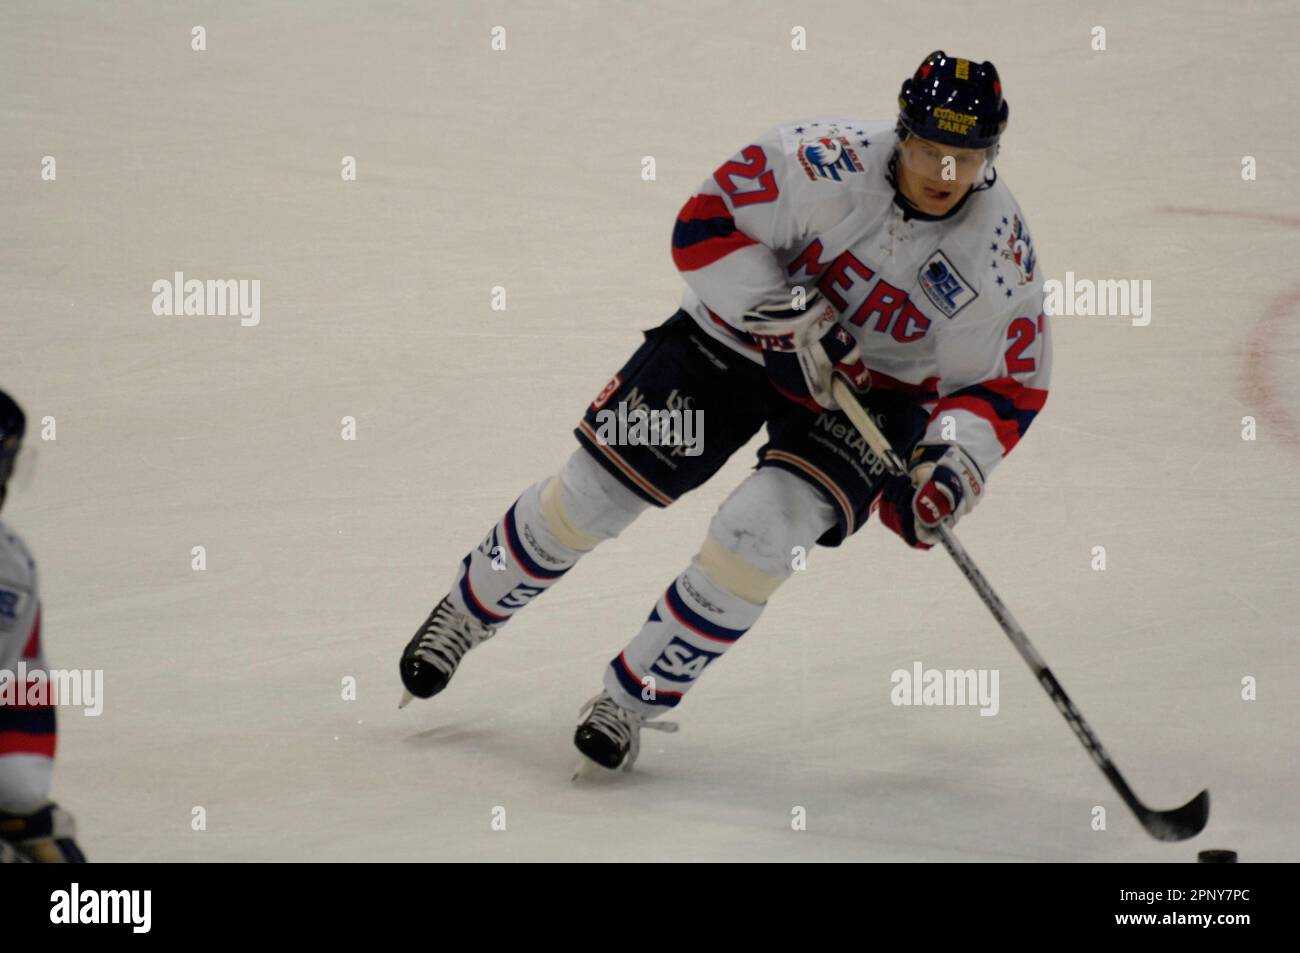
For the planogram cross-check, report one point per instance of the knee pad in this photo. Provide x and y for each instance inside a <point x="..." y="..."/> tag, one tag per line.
<point x="752" y="538"/>
<point x="732" y="573"/>
<point x="584" y="505"/>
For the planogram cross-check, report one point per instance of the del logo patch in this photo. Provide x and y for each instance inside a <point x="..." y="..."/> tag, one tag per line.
<point x="944" y="285"/>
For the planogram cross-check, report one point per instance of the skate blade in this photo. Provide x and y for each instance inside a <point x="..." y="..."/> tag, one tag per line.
<point x="586" y="768"/>
<point x="407" y="698"/>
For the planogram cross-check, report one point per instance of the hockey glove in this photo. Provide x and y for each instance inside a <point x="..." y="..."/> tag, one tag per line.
<point x="802" y="348"/>
<point x="944" y="485"/>
<point x="42" y="837"/>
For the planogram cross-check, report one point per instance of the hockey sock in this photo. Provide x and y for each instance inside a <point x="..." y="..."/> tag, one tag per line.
<point x="519" y="560"/>
<point x="693" y="623"/>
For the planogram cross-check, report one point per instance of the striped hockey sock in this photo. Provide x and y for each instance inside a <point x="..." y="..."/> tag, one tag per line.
<point x="518" y="561"/>
<point x="692" y="624"/>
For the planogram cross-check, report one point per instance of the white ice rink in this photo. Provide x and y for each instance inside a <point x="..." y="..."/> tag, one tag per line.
<point x="522" y="169"/>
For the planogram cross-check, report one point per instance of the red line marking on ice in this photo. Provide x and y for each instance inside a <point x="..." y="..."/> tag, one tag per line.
<point x="1260" y="389"/>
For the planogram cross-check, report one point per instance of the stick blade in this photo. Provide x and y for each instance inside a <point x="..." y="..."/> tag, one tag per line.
<point x="1181" y="823"/>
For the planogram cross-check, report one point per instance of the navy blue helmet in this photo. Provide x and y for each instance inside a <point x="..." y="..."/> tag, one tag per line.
<point x="954" y="101"/>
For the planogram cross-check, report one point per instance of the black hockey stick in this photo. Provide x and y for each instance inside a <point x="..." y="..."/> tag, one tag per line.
<point x="1177" y="824"/>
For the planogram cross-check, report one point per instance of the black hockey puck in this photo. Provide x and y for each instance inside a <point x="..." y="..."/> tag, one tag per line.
<point x="1217" y="857"/>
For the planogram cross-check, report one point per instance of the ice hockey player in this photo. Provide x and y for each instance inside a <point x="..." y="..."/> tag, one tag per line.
<point x="888" y="252"/>
<point x="32" y="827"/>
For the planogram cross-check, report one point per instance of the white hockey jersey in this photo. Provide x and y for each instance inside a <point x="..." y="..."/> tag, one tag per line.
<point x="950" y="310"/>
<point x="27" y="729"/>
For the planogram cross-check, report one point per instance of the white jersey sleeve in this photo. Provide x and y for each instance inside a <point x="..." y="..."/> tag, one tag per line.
<point x="756" y="204"/>
<point x="994" y="367"/>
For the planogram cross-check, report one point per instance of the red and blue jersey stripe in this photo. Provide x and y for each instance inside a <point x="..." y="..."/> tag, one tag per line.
<point x="1007" y="405"/>
<point x="705" y="233"/>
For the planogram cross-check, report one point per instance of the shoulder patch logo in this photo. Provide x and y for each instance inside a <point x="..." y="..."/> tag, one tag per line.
<point x="944" y="285"/>
<point x="1019" y="250"/>
<point x="827" y="154"/>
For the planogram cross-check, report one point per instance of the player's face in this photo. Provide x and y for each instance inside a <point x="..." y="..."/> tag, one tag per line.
<point x="933" y="176"/>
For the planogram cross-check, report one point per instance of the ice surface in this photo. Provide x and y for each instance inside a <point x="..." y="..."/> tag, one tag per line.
<point x="522" y="169"/>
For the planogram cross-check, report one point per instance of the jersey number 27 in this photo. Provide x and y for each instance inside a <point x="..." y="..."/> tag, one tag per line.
<point x="754" y="168"/>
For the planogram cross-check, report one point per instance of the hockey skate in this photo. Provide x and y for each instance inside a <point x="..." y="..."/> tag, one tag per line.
<point x="431" y="657"/>
<point x="610" y="735"/>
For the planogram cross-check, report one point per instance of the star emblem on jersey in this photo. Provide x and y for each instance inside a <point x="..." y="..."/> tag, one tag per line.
<point x="1019" y="250"/>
